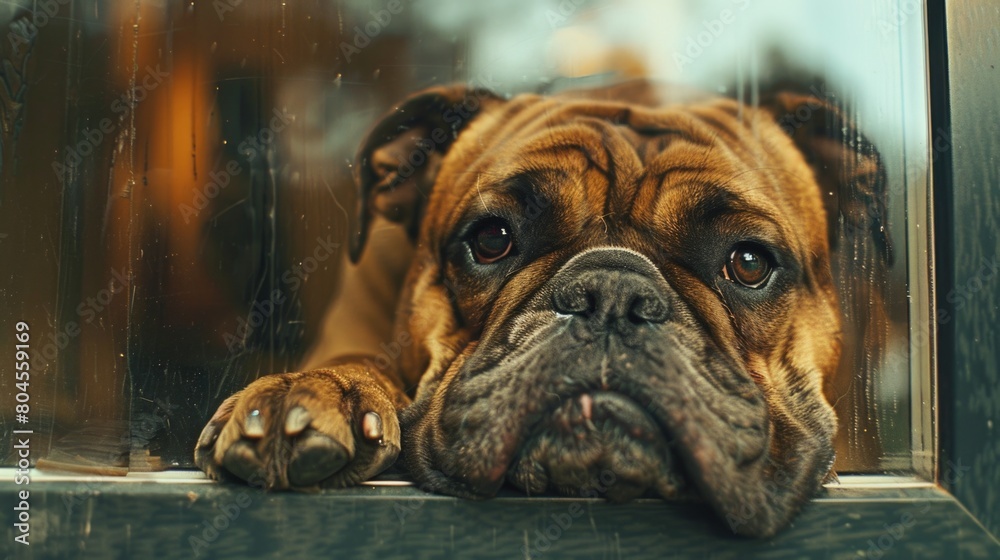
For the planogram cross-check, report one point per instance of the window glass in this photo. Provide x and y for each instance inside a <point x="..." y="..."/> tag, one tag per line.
<point x="176" y="190"/>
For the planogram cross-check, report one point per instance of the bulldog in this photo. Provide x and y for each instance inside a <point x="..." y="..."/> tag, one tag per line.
<point x="633" y="280"/>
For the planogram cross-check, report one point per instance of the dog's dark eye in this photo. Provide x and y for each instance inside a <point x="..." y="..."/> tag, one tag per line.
<point x="491" y="241"/>
<point x="748" y="265"/>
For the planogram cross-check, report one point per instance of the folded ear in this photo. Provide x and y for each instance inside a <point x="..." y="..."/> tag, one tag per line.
<point x="398" y="161"/>
<point x="854" y="188"/>
<point x="847" y="166"/>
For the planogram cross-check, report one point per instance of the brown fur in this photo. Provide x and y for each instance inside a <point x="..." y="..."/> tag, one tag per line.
<point x="671" y="186"/>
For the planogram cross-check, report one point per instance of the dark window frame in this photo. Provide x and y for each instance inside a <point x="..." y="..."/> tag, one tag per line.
<point x="963" y="81"/>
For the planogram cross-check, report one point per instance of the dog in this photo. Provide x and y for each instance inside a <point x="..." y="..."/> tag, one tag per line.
<point x="633" y="279"/>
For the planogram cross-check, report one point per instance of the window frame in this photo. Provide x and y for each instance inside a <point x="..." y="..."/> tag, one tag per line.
<point x="962" y="93"/>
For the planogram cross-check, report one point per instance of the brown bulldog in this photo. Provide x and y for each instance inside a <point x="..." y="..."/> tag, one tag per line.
<point x="627" y="280"/>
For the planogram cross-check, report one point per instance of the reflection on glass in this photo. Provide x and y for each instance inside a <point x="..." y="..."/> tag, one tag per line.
<point x="177" y="186"/>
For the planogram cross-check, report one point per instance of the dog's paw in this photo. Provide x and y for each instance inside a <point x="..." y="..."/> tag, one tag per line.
<point x="326" y="428"/>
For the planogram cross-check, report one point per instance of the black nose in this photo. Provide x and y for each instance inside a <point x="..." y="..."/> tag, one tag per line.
<point x="611" y="290"/>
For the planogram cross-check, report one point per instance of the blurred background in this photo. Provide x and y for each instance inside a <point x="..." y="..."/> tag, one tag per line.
<point x="175" y="184"/>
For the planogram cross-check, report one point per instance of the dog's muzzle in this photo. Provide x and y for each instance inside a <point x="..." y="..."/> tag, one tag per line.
<point x="569" y="388"/>
<point x="609" y="302"/>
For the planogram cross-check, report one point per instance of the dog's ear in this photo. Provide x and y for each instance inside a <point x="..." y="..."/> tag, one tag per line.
<point x="848" y="168"/>
<point x="398" y="161"/>
<point x="854" y="189"/>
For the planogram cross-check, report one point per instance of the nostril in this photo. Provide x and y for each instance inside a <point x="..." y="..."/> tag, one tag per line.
<point x="636" y="317"/>
<point x="647" y="309"/>
<point x="590" y="305"/>
<point x="574" y="299"/>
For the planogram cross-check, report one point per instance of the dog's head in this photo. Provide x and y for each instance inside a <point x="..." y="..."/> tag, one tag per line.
<point x="619" y="287"/>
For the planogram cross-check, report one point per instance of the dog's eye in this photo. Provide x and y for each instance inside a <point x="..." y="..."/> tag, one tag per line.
<point x="748" y="265"/>
<point x="491" y="241"/>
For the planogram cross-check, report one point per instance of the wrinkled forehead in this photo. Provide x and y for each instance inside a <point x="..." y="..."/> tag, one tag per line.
<point x="669" y="165"/>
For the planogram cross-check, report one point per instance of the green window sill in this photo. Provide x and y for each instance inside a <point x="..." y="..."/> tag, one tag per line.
<point x="181" y="515"/>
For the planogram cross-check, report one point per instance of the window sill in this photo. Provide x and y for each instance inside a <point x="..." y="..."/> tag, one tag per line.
<point x="171" y="515"/>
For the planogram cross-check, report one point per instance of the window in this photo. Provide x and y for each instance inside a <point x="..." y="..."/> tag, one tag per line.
<point x="167" y="167"/>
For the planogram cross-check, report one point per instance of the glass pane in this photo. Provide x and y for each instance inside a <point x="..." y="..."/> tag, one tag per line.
<point x="177" y="192"/>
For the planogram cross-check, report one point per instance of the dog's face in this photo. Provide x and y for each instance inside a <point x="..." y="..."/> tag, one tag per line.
<point x="627" y="292"/>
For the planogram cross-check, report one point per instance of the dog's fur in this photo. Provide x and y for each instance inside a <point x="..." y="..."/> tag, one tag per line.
<point x="613" y="335"/>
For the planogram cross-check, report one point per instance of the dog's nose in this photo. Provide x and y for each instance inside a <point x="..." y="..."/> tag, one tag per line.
<point x="605" y="296"/>
<point x="611" y="289"/>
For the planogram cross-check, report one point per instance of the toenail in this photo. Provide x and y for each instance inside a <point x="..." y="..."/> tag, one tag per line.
<point x="254" y="425"/>
<point x="371" y="426"/>
<point x="297" y="420"/>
